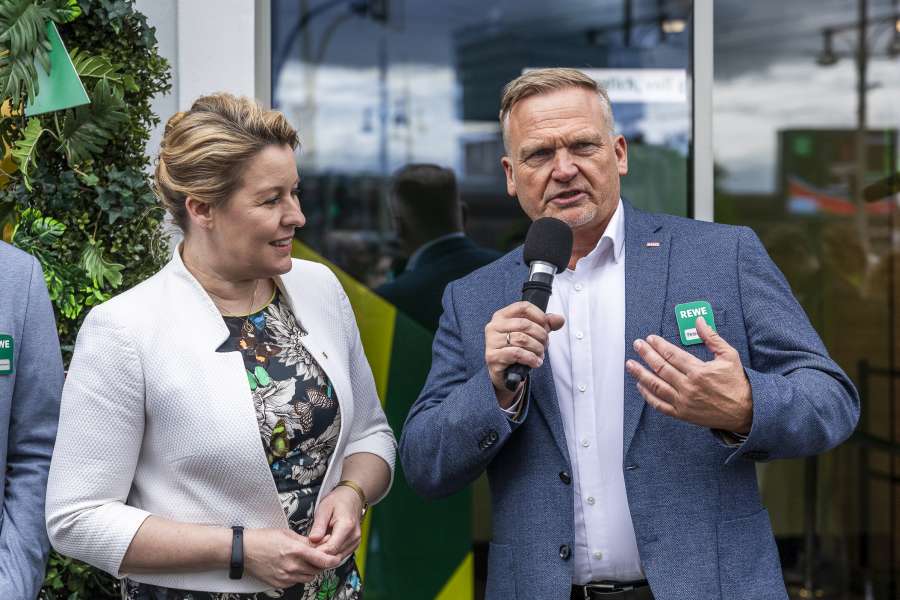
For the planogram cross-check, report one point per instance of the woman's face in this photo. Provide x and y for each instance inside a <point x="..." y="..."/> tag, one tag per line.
<point x="251" y="233"/>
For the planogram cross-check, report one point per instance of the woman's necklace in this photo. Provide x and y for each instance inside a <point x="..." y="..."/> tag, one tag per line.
<point x="249" y="309"/>
<point x="252" y="342"/>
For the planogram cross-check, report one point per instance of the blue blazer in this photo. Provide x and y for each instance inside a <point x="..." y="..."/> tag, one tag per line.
<point x="29" y="411"/>
<point x="701" y="529"/>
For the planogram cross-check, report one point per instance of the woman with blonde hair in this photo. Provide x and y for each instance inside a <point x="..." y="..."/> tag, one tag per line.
<point x="220" y="435"/>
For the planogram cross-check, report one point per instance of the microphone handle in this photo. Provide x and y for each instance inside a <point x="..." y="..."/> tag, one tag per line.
<point x="536" y="291"/>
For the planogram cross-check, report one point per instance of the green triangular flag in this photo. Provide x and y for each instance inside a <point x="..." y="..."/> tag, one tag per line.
<point x="60" y="88"/>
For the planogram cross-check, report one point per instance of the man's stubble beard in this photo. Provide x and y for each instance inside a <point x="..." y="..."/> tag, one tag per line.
<point x="584" y="216"/>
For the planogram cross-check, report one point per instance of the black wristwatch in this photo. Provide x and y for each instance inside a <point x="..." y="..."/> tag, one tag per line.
<point x="236" y="570"/>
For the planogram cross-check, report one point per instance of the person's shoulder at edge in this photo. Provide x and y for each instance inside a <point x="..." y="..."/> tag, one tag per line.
<point x="691" y="231"/>
<point x="10" y="256"/>
<point x="305" y="274"/>
<point x="134" y="308"/>
<point x="679" y="222"/>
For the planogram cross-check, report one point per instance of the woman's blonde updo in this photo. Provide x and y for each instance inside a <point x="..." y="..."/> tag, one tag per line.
<point x="204" y="150"/>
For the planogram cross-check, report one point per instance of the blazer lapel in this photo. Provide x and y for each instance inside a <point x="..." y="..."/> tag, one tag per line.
<point x="228" y="393"/>
<point x="646" y="278"/>
<point x="198" y="309"/>
<point x="317" y="344"/>
<point x="312" y="341"/>
<point x="543" y="390"/>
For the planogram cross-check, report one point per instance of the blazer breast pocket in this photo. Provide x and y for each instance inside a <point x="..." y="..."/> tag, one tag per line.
<point x="671" y="333"/>
<point x="699" y="350"/>
<point x="670" y="322"/>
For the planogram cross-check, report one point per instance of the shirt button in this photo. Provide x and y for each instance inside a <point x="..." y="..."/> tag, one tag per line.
<point x="589" y="500"/>
<point x="578" y="287"/>
<point x="598" y="555"/>
<point x="585" y="443"/>
<point x="581" y="387"/>
<point x="565" y="552"/>
<point x="579" y="335"/>
<point x="565" y="477"/>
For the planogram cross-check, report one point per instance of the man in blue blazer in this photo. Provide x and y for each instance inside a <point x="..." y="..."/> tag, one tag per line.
<point x="31" y="376"/>
<point x="624" y="467"/>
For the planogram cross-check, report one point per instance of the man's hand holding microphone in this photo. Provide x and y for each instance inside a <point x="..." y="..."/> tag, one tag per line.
<point x="516" y="338"/>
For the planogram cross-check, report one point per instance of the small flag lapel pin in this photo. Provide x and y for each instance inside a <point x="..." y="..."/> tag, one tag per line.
<point x="652" y="244"/>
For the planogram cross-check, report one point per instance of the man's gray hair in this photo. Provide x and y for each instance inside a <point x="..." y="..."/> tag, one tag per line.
<point x="542" y="81"/>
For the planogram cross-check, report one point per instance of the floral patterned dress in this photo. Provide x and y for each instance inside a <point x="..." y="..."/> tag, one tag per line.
<point x="299" y="420"/>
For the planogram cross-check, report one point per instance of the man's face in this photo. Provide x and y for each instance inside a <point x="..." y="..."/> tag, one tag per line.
<point x="562" y="161"/>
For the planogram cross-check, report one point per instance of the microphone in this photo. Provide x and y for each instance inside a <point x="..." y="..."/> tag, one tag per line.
<point x="548" y="247"/>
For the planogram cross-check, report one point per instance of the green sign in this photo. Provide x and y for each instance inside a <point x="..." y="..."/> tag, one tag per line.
<point x="686" y="314"/>
<point x="60" y="88"/>
<point x="6" y="354"/>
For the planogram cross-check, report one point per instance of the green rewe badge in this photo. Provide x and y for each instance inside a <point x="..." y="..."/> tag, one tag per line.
<point x="687" y="314"/>
<point x="6" y="354"/>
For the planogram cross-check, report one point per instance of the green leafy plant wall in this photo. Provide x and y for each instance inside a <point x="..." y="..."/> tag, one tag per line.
<point x="79" y="198"/>
<point x="74" y="190"/>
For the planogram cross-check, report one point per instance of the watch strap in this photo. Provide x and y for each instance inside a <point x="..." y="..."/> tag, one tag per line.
<point x="236" y="568"/>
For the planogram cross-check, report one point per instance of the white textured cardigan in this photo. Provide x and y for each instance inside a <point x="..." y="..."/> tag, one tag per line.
<point x="155" y="421"/>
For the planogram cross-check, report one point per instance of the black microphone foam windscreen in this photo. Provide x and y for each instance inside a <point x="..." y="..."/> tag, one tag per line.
<point x="549" y="240"/>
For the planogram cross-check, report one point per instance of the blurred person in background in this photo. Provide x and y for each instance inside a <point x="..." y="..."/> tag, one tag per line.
<point x="220" y="432"/>
<point x="428" y="217"/>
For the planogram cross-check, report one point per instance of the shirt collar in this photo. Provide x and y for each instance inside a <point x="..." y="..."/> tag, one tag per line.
<point x="417" y="255"/>
<point x="615" y="232"/>
<point x="613" y="237"/>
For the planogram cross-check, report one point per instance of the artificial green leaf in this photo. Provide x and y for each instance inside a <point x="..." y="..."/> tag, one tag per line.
<point x="47" y="229"/>
<point x="24" y="149"/>
<point x="18" y="77"/>
<point x="86" y="129"/>
<point x="129" y="83"/>
<point x="100" y="270"/>
<point x="23" y="42"/>
<point x="97" y="66"/>
<point x="124" y="194"/>
<point x="37" y="234"/>
<point x="23" y="23"/>
<point x="88" y="179"/>
<point x="66" y="11"/>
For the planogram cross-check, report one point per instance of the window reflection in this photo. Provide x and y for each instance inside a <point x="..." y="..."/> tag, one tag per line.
<point x="423" y="86"/>
<point x="801" y="130"/>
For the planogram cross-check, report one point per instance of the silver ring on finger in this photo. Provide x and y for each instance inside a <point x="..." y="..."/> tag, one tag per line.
<point x="508" y="342"/>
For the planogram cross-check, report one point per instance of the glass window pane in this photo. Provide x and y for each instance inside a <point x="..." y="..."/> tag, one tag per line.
<point x="805" y="145"/>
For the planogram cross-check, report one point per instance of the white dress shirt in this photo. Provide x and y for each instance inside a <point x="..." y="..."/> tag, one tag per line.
<point x="588" y="360"/>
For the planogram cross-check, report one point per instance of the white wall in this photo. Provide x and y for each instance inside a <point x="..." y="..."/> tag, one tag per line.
<point x="161" y="15"/>
<point x="212" y="46"/>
